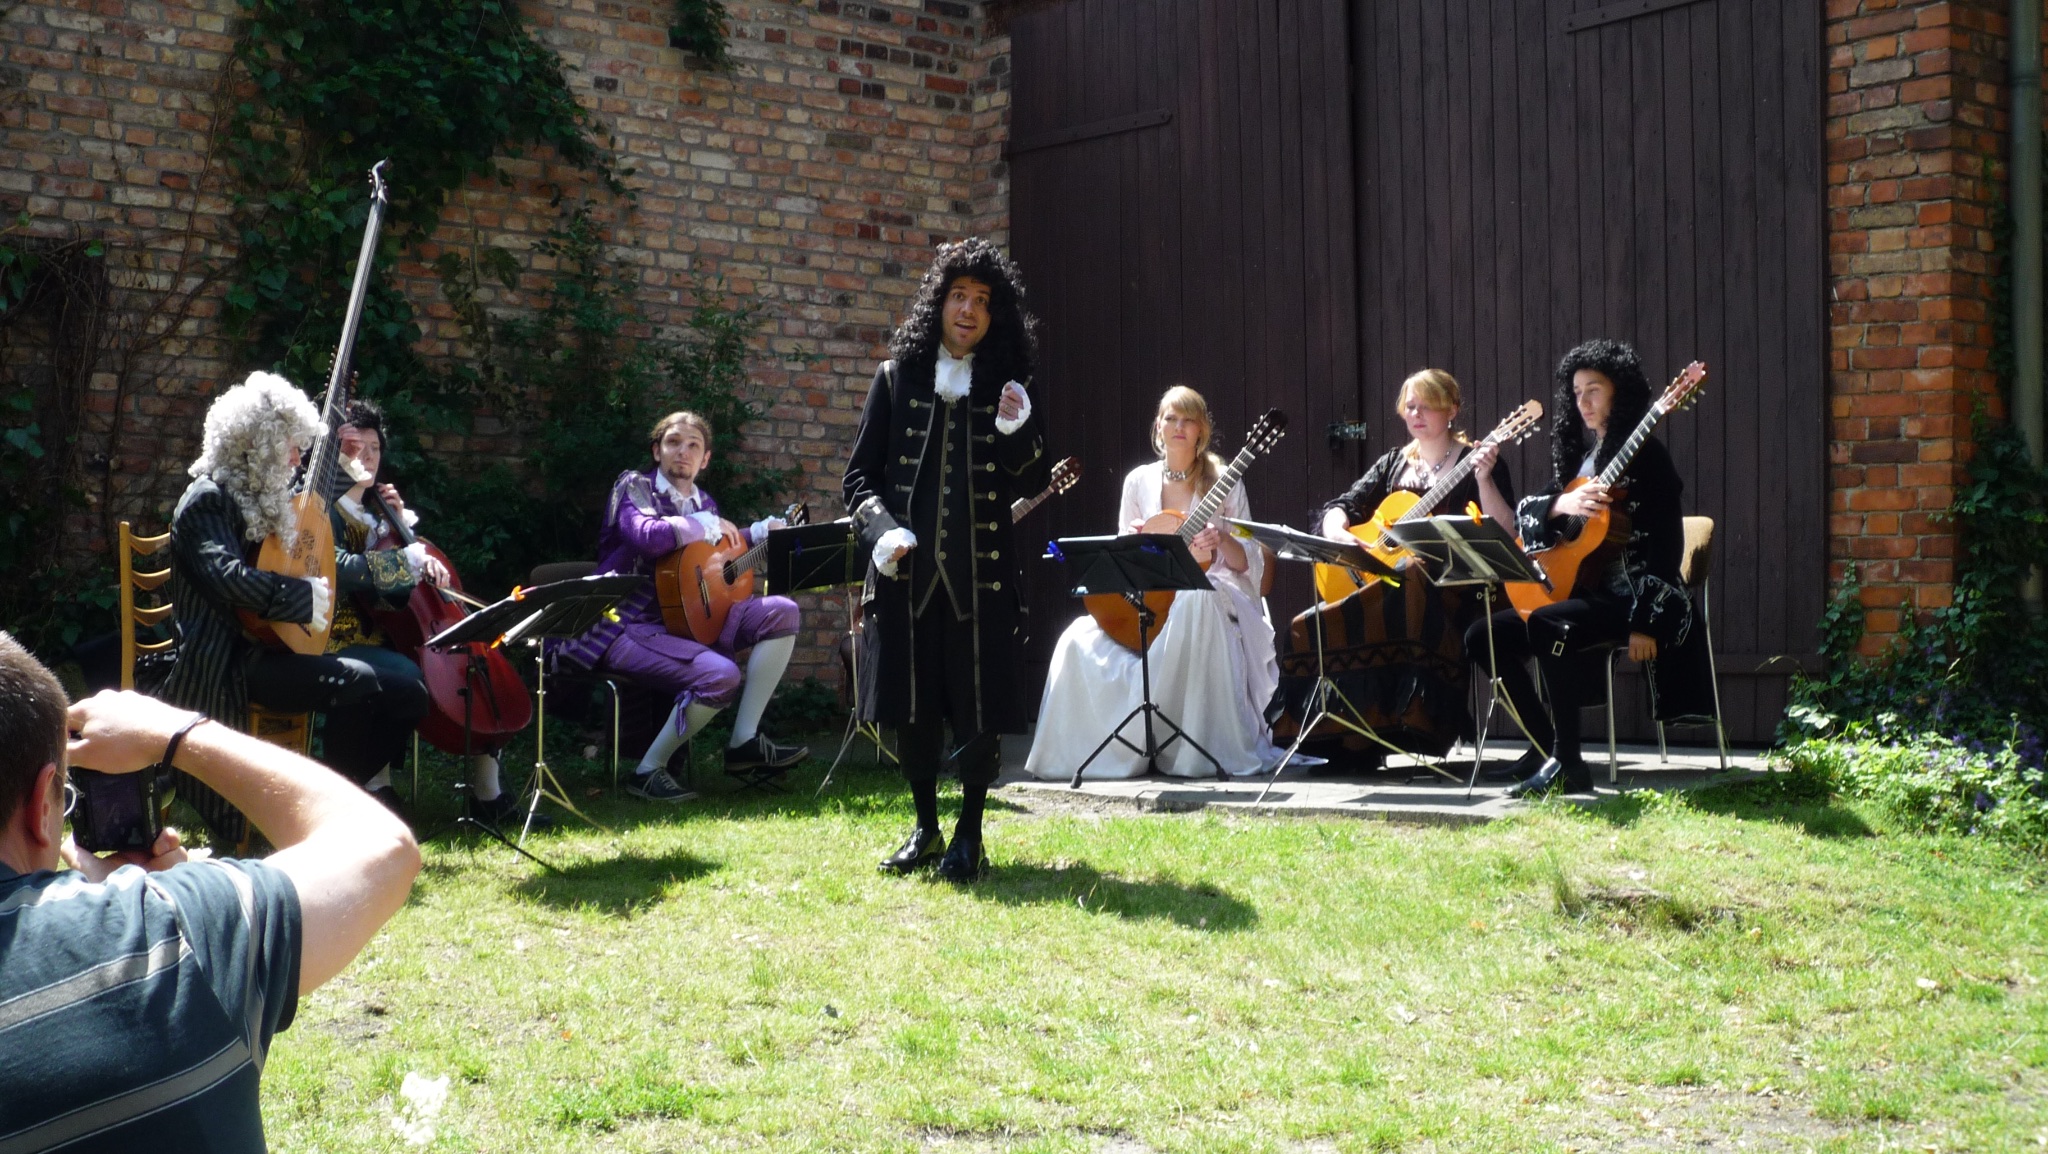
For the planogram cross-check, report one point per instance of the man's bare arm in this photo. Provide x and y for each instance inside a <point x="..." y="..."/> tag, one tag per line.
<point x="351" y="860"/>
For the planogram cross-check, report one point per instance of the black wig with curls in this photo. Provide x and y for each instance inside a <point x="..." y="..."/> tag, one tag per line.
<point x="1618" y="363"/>
<point x="1011" y="346"/>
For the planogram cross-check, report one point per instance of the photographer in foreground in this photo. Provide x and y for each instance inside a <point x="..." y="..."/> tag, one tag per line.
<point x="137" y="1005"/>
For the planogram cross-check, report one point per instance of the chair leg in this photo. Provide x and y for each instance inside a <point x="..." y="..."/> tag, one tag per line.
<point x="415" y="767"/>
<point x="1713" y="671"/>
<point x="613" y="688"/>
<point x="1613" y="756"/>
<point x="1663" y="753"/>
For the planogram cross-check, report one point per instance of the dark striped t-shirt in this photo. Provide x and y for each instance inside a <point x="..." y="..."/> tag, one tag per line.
<point x="136" y="1014"/>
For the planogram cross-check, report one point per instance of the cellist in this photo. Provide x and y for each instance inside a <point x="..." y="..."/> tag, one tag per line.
<point x="386" y="577"/>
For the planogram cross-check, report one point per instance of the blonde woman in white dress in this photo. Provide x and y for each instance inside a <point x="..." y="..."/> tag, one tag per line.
<point x="1213" y="669"/>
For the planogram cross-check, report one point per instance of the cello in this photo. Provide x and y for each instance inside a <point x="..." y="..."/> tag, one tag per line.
<point x="477" y="699"/>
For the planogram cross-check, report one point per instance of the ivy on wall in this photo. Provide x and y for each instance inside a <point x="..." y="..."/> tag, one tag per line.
<point x="442" y="91"/>
<point x="700" y="29"/>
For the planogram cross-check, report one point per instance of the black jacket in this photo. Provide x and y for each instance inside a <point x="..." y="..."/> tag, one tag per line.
<point x="890" y="463"/>
<point x="1658" y="605"/>
<point x="1363" y="498"/>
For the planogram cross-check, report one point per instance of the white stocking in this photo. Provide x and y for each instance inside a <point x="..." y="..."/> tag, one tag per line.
<point x="483" y="777"/>
<point x="667" y="740"/>
<point x="764" y="673"/>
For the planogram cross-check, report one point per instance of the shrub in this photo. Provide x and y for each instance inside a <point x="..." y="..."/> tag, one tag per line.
<point x="1935" y="783"/>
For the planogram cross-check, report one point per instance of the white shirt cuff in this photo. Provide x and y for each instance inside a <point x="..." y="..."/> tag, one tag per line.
<point x="1006" y="427"/>
<point x="416" y="557"/>
<point x="885" y="549"/>
<point x="708" y="522"/>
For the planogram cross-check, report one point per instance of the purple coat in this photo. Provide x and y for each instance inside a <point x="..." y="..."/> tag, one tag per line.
<point x="642" y="524"/>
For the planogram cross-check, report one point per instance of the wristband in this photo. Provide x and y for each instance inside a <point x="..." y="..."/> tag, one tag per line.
<point x="171" y="747"/>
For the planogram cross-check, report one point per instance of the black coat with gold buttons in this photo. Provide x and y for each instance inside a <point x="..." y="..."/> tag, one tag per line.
<point x="902" y="457"/>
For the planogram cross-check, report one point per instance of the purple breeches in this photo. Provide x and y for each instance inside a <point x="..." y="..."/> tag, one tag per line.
<point x="648" y="655"/>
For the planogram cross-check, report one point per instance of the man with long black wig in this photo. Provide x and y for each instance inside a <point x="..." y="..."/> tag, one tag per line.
<point x="1636" y="598"/>
<point x="947" y="440"/>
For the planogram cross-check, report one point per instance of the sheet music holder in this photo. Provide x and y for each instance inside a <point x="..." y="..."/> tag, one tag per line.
<point x="805" y="558"/>
<point x="1295" y="545"/>
<point x="1132" y="565"/>
<point x="1325" y="701"/>
<point x="558" y="609"/>
<point x="1463" y="551"/>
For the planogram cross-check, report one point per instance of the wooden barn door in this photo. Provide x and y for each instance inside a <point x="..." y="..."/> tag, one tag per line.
<point x="1536" y="172"/>
<point x="1181" y="199"/>
<point x="1295" y="203"/>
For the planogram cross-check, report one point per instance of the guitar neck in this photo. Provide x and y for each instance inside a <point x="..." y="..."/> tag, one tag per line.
<point x="1615" y="468"/>
<point x="1022" y="506"/>
<point x="1444" y="485"/>
<point x="1198" y="518"/>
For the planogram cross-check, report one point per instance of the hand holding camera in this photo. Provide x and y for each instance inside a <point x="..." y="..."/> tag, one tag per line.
<point x="113" y="736"/>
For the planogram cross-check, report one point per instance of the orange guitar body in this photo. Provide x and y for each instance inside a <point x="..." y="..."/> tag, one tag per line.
<point x="1335" y="582"/>
<point x="693" y="592"/>
<point x="1118" y="617"/>
<point x="304" y="550"/>
<point x="1603" y="534"/>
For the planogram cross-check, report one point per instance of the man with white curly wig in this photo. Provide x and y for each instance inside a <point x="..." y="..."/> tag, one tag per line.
<point x="240" y="493"/>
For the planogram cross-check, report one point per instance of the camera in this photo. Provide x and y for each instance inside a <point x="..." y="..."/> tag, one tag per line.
<point x="117" y="811"/>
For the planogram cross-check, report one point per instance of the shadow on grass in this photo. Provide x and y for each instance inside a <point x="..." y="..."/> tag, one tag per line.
<point x="1777" y="797"/>
<point x="622" y="885"/>
<point x="1197" y="907"/>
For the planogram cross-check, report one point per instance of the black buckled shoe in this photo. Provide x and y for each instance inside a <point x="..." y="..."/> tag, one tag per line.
<point x="760" y="753"/>
<point x="503" y="812"/>
<point x="1521" y="769"/>
<point x="965" y="862"/>
<point x="1556" y="777"/>
<point x="923" y="849"/>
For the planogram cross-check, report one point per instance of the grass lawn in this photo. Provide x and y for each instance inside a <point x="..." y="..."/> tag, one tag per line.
<point x="734" y="975"/>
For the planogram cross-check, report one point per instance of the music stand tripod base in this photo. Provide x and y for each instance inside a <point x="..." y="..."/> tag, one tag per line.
<point x="1132" y="565"/>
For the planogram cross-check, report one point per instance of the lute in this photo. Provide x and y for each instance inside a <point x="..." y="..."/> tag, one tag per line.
<point x="305" y="548"/>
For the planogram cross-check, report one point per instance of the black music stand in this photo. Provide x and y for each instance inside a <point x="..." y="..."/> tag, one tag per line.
<point x="1467" y="551"/>
<point x="1295" y="545"/>
<point x="560" y="609"/>
<point x="1130" y="566"/>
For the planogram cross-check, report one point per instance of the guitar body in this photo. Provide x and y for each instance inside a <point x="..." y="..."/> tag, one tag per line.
<point x="305" y="550"/>
<point x="1601" y="537"/>
<point x="1117" y="616"/>
<point x="1335" y="582"/>
<point x="694" y="595"/>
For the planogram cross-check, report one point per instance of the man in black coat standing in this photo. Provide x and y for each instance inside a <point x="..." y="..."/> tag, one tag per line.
<point x="947" y="440"/>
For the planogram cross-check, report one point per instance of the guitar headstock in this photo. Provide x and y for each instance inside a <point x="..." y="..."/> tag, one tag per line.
<point x="378" y="191"/>
<point x="1267" y="432"/>
<point x="1684" y="389"/>
<point x="1518" y="426"/>
<point x="1065" y="475"/>
<point x="797" y="514"/>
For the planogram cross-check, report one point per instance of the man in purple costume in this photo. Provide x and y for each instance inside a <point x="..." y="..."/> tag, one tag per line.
<point x="654" y="513"/>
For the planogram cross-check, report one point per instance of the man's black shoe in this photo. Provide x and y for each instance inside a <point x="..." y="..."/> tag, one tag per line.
<point x="1556" y="777"/>
<point x="1521" y="769"/>
<point x="965" y="862"/>
<point x="758" y="752"/>
<point x="923" y="849"/>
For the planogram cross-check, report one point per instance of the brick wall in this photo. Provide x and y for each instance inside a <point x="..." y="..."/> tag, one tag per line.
<point x="813" y="180"/>
<point x="1916" y="133"/>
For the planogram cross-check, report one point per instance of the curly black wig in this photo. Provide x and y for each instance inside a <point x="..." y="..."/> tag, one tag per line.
<point x="1618" y="363"/>
<point x="1011" y="346"/>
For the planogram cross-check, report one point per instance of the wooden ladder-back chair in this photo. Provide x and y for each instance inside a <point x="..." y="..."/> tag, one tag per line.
<point x="132" y="614"/>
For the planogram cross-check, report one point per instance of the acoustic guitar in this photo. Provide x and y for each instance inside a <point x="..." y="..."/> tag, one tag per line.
<point x="1599" y="536"/>
<point x="306" y="547"/>
<point x="1116" y="615"/>
<point x="1065" y="475"/>
<point x="698" y="584"/>
<point x="1336" y="582"/>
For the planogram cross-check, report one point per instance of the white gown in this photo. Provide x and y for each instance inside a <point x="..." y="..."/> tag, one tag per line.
<point x="1213" y="672"/>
